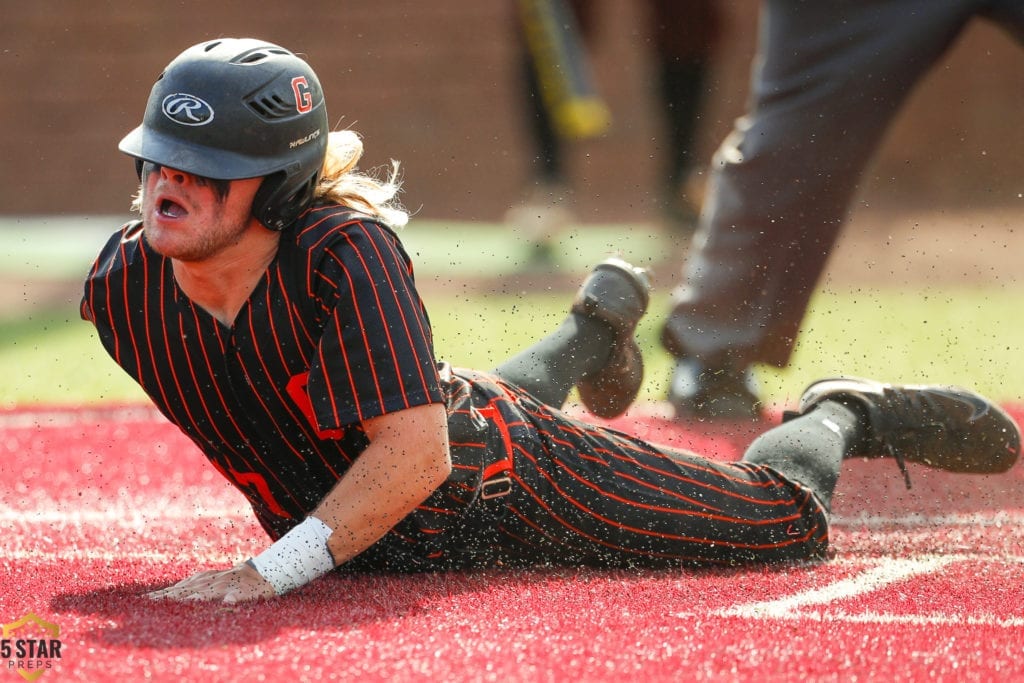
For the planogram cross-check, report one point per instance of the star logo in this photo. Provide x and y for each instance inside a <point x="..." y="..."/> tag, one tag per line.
<point x="30" y="646"/>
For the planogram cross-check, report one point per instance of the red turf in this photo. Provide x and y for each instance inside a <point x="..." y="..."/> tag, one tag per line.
<point x="98" y="507"/>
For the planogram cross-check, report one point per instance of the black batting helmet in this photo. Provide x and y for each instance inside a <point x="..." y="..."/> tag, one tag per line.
<point x="229" y="109"/>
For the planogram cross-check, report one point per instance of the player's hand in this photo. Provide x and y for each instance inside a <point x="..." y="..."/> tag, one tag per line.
<point x="238" y="584"/>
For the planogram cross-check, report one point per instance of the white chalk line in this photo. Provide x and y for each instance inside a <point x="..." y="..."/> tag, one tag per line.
<point x="185" y="554"/>
<point x="995" y="518"/>
<point x="49" y="418"/>
<point x="121" y="516"/>
<point x="892" y="570"/>
<point x="912" y="619"/>
<point x="801" y="606"/>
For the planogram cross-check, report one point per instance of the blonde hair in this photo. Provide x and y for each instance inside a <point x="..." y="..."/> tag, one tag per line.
<point x="342" y="184"/>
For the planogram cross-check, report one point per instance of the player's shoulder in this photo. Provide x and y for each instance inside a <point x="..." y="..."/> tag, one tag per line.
<point x="325" y="226"/>
<point x="119" y="272"/>
<point x="123" y="248"/>
<point x="330" y="239"/>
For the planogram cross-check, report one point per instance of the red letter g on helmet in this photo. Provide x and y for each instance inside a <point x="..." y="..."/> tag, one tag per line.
<point x="303" y="95"/>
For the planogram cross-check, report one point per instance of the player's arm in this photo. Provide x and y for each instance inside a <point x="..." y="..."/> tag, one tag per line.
<point x="406" y="460"/>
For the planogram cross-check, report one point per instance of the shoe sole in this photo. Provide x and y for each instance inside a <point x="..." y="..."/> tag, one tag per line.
<point x="610" y="391"/>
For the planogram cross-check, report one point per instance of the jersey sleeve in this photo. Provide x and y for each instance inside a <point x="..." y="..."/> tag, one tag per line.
<point x="104" y="300"/>
<point x="375" y="355"/>
<point x="111" y="258"/>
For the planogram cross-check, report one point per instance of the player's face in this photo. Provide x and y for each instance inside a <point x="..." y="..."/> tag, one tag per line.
<point x="191" y="218"/>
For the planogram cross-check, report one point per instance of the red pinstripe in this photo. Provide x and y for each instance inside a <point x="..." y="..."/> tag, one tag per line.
<point x="380" y="310"/>
<point x="394" y="257"/>
<point x="153" y="356"/>
<point x="366" y="345"/>
<point x="349" y="374"/>
<point x="131" y="338"/>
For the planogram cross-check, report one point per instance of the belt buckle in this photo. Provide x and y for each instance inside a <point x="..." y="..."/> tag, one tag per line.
<point x="496" y="488"/>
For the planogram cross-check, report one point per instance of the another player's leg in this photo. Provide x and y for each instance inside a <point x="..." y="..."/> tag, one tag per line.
<point x="948" y="428"/>
<point x="594" y="348"/>
<point x="752" y="272"/>
<point x="681" y="84"/>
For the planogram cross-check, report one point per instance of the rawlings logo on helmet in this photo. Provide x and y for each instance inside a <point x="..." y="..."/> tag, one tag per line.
<point x="187" y="110"/>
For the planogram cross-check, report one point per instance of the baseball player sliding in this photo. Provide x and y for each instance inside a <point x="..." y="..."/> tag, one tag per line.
<point x="266" y="305"/>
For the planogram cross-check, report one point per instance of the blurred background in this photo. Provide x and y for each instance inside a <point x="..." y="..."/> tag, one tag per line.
<point x="436" y="85"/>
<point x="925" y="275"/>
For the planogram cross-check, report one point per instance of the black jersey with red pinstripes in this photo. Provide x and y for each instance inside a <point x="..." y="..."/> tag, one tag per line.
<point x="333" y="334"/>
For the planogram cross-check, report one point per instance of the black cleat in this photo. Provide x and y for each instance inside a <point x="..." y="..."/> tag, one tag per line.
<point x="616" y="293"/>
<point x="945" y="427"/>
<point x="707" y="393"/>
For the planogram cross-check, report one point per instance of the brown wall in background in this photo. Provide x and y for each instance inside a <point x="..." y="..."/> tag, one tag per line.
<point x="433" y="84"/>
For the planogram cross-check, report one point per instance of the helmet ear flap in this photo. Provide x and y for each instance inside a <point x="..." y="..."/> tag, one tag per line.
<point x="274" y="207"/>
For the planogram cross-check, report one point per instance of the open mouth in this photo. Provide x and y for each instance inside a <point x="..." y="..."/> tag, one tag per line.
<point x="171" y="209"/>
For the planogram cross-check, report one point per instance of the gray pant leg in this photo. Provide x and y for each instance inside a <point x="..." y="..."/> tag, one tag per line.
<point x="830" y="76"/>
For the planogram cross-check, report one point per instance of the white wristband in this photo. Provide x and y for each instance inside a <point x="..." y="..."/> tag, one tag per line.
<point x="296" y="558"/>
